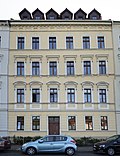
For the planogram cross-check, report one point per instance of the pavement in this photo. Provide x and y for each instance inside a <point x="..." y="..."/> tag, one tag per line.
<point x="82" y="148"/>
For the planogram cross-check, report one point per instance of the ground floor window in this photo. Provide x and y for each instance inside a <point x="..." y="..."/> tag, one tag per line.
<point x="71" y="123"/>
<point x="104" y="123"/>
<point x="88" y="122"/>
<point x="20" y="122"/>
<point x="35" y="123"/>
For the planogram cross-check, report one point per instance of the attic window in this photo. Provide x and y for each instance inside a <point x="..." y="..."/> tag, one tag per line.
<point x="67" y="17"/>
<point x="80" y="17"/>
<point x="52" y="17"/>
<point x="94" y="17"/>
<point x="37" y="17"/>
<point x="25" y="17"/>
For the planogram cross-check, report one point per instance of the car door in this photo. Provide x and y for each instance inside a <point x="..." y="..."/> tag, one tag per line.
<point x="46" y="144"/>
<point x="59" y="143"/>
<point x="117" y="146"/>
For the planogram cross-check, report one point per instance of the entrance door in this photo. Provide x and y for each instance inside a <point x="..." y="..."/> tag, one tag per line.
<point x="54" y="125"/>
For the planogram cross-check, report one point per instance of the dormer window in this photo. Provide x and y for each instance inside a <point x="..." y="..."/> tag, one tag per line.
<point x="52" y="17"/>
<point x="66" y="17"/>
<point x="94" y="17"/>
<point x="80" y="17"/>
<point x="37" y="17"/>
<point x="25" y="17"/>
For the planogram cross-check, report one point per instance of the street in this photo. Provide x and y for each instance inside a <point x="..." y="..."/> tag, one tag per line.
<point x="19" y="153"/>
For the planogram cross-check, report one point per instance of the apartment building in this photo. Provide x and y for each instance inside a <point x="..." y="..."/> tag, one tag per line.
<point x="61" y="75"/>
<point x="116" y="39"/>
<point x="4" y="52"/>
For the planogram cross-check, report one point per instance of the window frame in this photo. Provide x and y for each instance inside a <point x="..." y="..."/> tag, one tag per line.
<point x="52" y="43"/>
<point x="105" y="123"/>
<point x="102" y="67"/>
<point x="36" y="95"/>
<point x="36" y="122"/>
<point x="89" y="126"/>
<point x="20" y="95"/>
<point x="35" y="43"/>
<point x="87" y="67"/>
<point x="70" y="68"/>
<point x="53" y="68"/>
<point x="20" y="123"/>
<point x="21" y="43"/>
<point x="69" y="42"/>
<point x="53" y="95"/>
<point x="20" y="68"/>
<point x="35" y="68"/>
<point x="102" y="95"/>
<point x="86" y="42"/>
<point x="71" y="95"/>
<point x="101" y="42"/>
<point x="73" y="120"/>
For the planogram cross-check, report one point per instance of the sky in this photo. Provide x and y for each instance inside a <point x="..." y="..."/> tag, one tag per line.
<point x="109" y="9"/>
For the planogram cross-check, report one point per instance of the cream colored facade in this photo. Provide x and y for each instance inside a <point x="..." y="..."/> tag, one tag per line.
<point x="116" y="39"/>
<point x="87" y="115"/>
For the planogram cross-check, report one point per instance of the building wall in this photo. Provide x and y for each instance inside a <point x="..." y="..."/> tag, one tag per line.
<point x="116" y="39"/>
<point x="79" y="81"/>
<point x="4" y="52"/>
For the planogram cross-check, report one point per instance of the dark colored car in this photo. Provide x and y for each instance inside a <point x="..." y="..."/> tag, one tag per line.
<point x="4" y="144"/>
<point x="111" y="146"/>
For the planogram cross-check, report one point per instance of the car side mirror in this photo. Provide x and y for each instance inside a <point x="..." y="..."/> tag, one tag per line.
<point x="40" y="141"/>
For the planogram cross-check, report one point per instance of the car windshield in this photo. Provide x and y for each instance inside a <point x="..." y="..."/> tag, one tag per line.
<point x="112" y="138"/>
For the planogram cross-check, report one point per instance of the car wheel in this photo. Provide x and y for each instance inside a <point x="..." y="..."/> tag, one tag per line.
<point x="70" y="151"/>
<point x="31" y="151"/>
<point x="111" y="151"/>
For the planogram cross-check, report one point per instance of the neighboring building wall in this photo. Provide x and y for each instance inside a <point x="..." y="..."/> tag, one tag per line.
<point x="86" y="101"/>
<point x="4" y="51"/>
<point x="116" y="39"/>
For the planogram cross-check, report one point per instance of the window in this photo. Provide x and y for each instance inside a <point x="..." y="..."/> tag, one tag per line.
<point x="53" y="68"/>
<point x="70" y="67"/>
<point x="20" y="122"/>
<point x="35" y="43"/>
<point x="0" y="41"/>
<point x="87" y="67"/>
<point x="87" y="96"/>
<point x="53" y="95"/>
<point x="101" y="44"/>
<point x="104" y="123"/>
<point x="71" y="123"/>
<point x="35" y="68"/>
<point x="20" y="95"/>
<point x="102" y="67"/>
<point x="69" y="42"/>
<point x="86" y="42"/>
<point x="88" y="123"/>
<point x="71" y="95"/>
<point x="52" y="42"/>
<point x="102" y="96"/>
<point x="20" y="68"/>
<point x="20" y="43"/>
<point x="37" y="17"/>
<point x="35" y="123"/>
<point x="36" y="95"/>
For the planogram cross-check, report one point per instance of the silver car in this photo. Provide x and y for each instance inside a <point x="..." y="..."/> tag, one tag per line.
<point x="51" y="143"/>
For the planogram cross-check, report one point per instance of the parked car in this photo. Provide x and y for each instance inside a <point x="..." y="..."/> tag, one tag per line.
<point x="51" y="143"/>
<point x="109" y="146"/>
<point x="4" y="144"/>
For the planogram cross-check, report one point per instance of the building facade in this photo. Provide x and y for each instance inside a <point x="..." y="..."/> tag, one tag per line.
<point x="116" y="39"/>
<point x="4" y="54"/>
<point x="61" y="75"/>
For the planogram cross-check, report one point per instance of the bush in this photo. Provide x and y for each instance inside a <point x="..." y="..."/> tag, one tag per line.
<point x="87" y="141"/>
